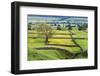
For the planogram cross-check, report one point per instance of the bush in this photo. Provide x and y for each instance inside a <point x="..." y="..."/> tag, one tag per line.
<point x="69" y="27"/>
<point x="58" y="27"/>
<point x="82" y="27"/>
<point x="29" y="27"/>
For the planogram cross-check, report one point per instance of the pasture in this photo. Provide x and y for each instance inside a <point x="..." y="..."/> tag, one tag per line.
<point x="64" y="44"/>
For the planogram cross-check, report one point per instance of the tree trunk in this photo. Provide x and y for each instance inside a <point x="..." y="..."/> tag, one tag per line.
<point x="46" y="40"/>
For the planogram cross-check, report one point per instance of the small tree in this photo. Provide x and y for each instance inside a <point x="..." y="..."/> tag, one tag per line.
<point x="69" y="26"/>
<point x="82" y="27"/>
<point x="85" y="26"/>
<point x="46" y="30"/>
<point x="29" y="26"/>
<point x="58" y="27"/>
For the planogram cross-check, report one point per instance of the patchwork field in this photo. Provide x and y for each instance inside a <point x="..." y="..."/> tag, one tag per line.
<point x="62" y="45"/>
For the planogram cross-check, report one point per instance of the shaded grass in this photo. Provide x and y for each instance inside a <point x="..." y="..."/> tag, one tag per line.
<point x="34" y="54"/>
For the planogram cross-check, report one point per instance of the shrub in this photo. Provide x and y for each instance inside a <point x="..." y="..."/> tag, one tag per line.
<point x="58" y="27"/>
<point x="82" y="27"/>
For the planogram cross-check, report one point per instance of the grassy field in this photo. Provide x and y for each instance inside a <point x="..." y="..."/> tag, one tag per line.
<point x="72" y="45"/>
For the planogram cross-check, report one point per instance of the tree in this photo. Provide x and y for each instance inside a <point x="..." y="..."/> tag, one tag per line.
<point x="85" y="26"/>
<point x="69" y="26"/>
<point x="45" y="30"/>
<point x="29" y="26"/>
<point x="58" y="27"/>
<point x="82" y="27"/>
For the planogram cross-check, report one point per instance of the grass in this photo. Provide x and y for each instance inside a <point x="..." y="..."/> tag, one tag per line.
<point x="34" y="54"/>
<point x="46" y="55"/>
<point x="33" y="43"/>
<point x="61" y="41"/>
<point x="82" y="43"/>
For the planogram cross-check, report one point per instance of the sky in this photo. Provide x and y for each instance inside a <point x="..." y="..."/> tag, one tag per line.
<point x="55" y="19"/>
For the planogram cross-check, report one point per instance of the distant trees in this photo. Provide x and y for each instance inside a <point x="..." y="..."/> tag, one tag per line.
<point x="82" y="27"/>
<point x="29" y="26"/>
<point x="85" y="26"/>
<point x="46" y="30"/>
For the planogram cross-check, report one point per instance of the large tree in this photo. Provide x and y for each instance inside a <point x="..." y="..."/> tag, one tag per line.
<point x="45" y="30"/>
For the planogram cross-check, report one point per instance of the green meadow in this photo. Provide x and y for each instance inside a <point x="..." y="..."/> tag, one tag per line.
<point x="63" y="44"/>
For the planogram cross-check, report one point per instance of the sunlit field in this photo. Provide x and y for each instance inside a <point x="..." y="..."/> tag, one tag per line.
<point x="63" y="44"/>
